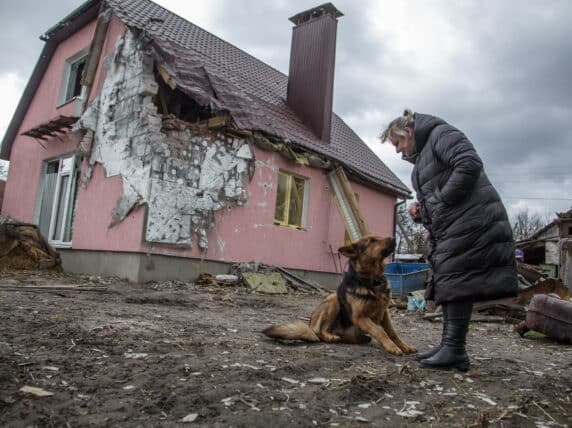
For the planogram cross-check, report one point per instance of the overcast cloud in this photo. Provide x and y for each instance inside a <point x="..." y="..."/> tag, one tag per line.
<point x="499" y="71"/>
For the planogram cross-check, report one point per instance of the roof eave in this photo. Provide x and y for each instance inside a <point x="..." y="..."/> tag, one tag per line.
<point x="377" y="183"/>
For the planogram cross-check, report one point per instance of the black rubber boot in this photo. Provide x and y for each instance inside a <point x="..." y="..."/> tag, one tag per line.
<point x="453" y="354"/>
<point x="434" y="350"/>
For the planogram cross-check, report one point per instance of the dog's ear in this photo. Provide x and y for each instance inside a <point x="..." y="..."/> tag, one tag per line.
<point x="350" y="251"/>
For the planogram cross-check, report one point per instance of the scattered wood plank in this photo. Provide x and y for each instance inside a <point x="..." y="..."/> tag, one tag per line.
<point x="54" y="288"/>
<point x="300" y="282"/>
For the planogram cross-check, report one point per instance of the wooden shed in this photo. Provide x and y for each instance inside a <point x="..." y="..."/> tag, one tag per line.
<point x="551" y="247"/>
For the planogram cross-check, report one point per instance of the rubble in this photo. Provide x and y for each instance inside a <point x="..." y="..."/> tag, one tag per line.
<point x="532" y="282"/>
<point x="260" y="278"/>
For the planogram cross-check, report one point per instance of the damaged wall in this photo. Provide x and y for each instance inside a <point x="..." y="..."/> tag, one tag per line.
<point x="245" y="228"/>
<point x="182" y="176"/>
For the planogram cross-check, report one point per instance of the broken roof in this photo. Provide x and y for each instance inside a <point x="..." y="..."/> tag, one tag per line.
<point x="218" y="74"/>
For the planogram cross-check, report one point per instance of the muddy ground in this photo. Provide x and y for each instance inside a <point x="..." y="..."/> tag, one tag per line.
<point x="120" y="354"/>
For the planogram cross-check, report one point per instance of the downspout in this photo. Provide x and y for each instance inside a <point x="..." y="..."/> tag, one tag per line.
<point x="395" y="219"/>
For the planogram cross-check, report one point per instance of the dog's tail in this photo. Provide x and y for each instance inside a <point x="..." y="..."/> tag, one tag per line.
<point x="297" y="330"/>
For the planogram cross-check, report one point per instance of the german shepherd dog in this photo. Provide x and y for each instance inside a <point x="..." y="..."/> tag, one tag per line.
<point x="359" y="308"/>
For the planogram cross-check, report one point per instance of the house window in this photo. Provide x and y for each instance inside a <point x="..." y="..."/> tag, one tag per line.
<point x="291" y="200"/>
<point x="73" y="70"/>
<point x="59" y="192"/>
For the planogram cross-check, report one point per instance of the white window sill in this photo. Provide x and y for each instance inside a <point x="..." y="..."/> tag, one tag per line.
<point x="64" y="245"/>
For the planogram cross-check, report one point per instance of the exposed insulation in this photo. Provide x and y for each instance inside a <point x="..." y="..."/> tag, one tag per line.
<point x="182" y="175"/>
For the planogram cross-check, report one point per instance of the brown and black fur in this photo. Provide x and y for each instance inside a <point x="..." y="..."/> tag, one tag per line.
<point x="359" y="308"/>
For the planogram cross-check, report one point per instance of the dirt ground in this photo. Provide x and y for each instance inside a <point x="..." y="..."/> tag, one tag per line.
<point x="120" y="354"/>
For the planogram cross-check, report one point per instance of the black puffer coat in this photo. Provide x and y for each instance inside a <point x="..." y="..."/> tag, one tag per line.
<point x="471" y="248"/>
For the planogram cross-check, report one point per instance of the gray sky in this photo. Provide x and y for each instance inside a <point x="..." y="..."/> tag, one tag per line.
<point x="499" y="71"/>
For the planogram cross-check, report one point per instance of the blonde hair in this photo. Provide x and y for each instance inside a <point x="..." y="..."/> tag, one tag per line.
<point x="396" y="127"/>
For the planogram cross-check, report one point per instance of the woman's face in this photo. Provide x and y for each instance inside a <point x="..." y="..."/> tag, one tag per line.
<point x="404" y="144"/>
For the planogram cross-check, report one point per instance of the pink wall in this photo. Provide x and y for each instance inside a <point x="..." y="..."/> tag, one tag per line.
<point x="248" y="233"/>
<point x="2" y="187"/>
<point x="242" y="233"/>
<point x="27" y="154"/>
<point x="93" y="216"/>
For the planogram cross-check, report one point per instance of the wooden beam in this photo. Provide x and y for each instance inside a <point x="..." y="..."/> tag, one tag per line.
<point x="95" y="51"/>
<point x="166" y="77"/>
<point x="218" y="121"/>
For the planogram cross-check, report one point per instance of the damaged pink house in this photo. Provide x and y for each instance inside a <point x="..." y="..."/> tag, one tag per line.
<point x="146" y="147"/>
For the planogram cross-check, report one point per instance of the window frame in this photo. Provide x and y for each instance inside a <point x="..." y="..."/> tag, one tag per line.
<point x="70" y="198"/>
<point x="304" y="215"/>
<point x="70" y="62"/>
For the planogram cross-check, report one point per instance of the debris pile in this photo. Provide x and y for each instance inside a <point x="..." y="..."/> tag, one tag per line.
<point x="207" y="279"/>
<point x="22" y="247"/>
<point x="261" y="278"/>
<point x="532" y="282"/>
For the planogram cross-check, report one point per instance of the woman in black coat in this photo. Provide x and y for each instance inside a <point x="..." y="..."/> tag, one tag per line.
<point x="471" y="247"/>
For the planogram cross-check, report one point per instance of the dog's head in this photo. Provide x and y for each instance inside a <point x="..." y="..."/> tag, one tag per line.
<point x="368" y="254"/>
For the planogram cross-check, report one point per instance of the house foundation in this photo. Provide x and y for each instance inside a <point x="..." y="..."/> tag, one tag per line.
<point x="141" y="268"/>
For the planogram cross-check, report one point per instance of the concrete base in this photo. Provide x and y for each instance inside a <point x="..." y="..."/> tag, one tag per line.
<point x="137" y="267"/>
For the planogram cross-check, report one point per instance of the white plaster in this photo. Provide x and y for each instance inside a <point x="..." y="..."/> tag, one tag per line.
<point x="181" y="194"/>
<point x="244" y="152"/>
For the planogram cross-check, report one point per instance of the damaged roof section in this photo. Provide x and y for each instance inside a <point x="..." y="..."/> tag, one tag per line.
<point x="59" y="125"/>
<point x="218" y="75"/>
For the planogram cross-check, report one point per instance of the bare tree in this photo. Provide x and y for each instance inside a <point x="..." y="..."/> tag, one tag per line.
<point x="525" y="224"/>
<point x="411" y="237"/>
<point x="3" y="170"/>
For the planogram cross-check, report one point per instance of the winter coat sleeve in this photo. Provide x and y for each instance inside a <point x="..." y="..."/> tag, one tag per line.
<point x="455" y="151"/>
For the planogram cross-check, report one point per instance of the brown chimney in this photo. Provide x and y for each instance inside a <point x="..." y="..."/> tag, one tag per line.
<point x="312" y="60"/>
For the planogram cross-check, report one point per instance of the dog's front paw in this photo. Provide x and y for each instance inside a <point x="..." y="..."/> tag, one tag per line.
<point x="394" y="349"/>
<point x="408" y="349"/>
<point x="329" y="338"/>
